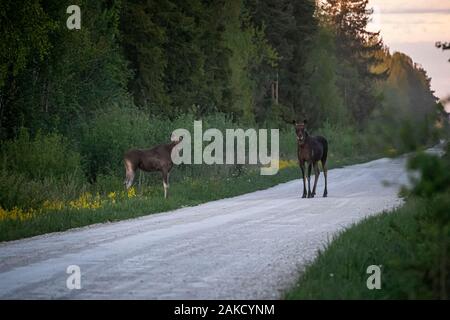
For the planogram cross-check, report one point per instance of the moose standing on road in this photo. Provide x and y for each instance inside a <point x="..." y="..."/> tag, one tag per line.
<point x="156" y="159"/>
<point x="311" y="150"/>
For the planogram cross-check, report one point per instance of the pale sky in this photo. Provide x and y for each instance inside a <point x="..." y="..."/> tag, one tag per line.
<point x="413" y="27"/>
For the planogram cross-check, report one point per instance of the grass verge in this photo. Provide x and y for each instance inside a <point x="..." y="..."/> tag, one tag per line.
<point x="408" y="244"/>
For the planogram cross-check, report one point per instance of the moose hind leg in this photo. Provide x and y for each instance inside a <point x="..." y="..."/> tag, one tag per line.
<point x="129" y="175"/>
<point x="325" y="173"/>
<point x="166" y="184"/>
<point x="316" y="178"/>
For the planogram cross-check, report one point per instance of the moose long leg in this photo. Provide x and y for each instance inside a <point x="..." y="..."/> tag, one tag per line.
<point x="325" y="171"/>
<point x="309" y="179"/>
<point x="165" y="175"/>
<point x="316" y="178"/>
<point x="302" y="166"/>
<point x="129" y="174"/>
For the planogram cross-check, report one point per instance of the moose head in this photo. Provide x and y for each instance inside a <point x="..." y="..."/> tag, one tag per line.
<point x="300" y="131"/>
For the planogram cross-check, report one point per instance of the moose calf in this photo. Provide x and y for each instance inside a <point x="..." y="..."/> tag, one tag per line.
<point x="311" y="150"/>
<point x="155" y="159"/>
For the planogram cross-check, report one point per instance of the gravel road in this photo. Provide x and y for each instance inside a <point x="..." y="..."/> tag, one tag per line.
<point x="247" y="247"/>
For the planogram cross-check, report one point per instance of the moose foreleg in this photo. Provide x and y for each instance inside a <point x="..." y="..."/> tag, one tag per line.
<point x="302" y="166"/>
<point x="316" y="178"/>
<point x="309" y="180"/>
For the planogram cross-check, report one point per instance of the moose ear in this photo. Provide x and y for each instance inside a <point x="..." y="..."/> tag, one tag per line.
<point x="294" y="122"/>
<point x="305" y="121"/>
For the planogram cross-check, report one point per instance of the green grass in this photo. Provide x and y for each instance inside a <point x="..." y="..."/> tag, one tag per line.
<point x="399" y="241"/>
<point x="183" y="192"/>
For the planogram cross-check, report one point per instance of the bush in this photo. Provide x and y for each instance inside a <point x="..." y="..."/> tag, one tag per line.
<point x="37" y="169"/>
<point x="109" y="134"/>
<point x="17" y="190"/>
<point x="434" y="174"/>
<point x="44" y="156"/>
<point x="432" y="243"/>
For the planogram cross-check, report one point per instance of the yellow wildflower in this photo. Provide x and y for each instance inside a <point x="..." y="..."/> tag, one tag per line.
<point x="86" y="201"/>
<point x="17" y="214"/>
<point x="287" y="163"/>
<point x="131" y="192"/>
<point x="112" y="197"/>
<point x="53" y="205"/>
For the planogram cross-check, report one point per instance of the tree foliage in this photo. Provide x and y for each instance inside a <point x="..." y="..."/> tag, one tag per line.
<point x="255" y="60"/>
<point x="356" y="49"/>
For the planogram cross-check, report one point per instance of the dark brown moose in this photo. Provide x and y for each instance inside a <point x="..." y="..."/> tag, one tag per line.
<point x="311" y="150"/>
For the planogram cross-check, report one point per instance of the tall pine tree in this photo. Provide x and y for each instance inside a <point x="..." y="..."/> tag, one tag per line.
<point x="356" y="49"/>
<point x="289" y="27"/>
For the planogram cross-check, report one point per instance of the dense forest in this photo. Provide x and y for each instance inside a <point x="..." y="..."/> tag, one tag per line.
<point x="255" y="60"/>
<point x="72" y="101"/>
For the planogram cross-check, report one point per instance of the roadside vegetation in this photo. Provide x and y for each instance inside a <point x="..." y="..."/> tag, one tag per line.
<point x="72" y="102"/>
<point x="411" y="244"/>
